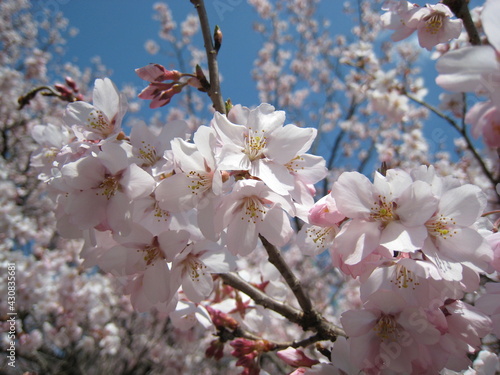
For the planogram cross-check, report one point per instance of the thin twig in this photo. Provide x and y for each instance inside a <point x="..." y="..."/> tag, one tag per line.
<point x="462" y="132"/>
<point x="300" y="343"/>
<point x="213" y="68"/>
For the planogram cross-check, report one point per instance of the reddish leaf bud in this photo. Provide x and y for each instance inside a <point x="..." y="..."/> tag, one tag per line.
<point x="217" y="38"/>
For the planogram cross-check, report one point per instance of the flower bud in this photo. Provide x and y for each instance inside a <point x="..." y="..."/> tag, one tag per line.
<point x="62" y="89"/>
<point x="295" y="358"/>
<point x="217" y="38"/>
<point x="72" y="84"/>
<point x="157" y="73"/>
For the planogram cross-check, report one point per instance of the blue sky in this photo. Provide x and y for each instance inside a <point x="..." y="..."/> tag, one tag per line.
<point x="116" y="30"/>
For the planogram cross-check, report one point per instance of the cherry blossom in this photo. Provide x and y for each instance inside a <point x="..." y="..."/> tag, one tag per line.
<point x="251" y="209"/>
<point x="396" y="18"/>
<point x="295" y="357"/>
<point x="324" y="219"/>
<point x="256" y="140"/>
<point x="392" y="213"/>
<point x="197" y="181"/>
<point x="187" y="315"/>
<point x="166" y="226"/>
<point x="104" y="198"/>
<point x="380" y="334"/>
<point x="450" y="233"/>
<point x="102" y="119"/>
<point x="434" y="25"/>
<point x="192" y="268"/>
<point x="489" y="304"/>
<point x="485" y="120"/>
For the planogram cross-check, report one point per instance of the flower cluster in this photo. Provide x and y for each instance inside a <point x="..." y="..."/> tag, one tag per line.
<point x="412" y="240"/>
<point x="391" y="267"/>
<point x="163" y="213"/>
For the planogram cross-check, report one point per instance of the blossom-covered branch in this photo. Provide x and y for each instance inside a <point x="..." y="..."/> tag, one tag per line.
<point x="191" y="221"/>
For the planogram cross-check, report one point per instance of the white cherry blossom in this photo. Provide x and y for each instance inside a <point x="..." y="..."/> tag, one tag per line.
<point x="102" y="119"/>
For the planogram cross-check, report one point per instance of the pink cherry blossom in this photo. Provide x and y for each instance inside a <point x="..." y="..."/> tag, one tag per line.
<point x="489" y="304"/>
<point x="390" y="213"/>
<point x="52" y="139"/>
<point x="398" y="12"/>
<point x="149" y="145"/>
<point x="485" y="120"/>
<point x="161" y="93"/>
<point x="157" y="73"/>
<point x="193" y="266"/>
<point x="252" y="209"/>
<point x="451" y="236"/>
<point x="494" y="241"/>
<point x="187" y="315"/>
<point x="462" y="326"/>
<point x="256" y="141"/>
<point x="469" y="69"/>
<point x="490" y="22"/>
<point x="100" y="189"/>
<point x="324" y="220"/>
<point x="475" y="68"/>
<point x="168" y="217"/>
<point x="197" y="181"/>
<point x="434" y="25"/>
<point x="325" y="212"/>
<point x="384" y="335"/>
<point x="102" y="119"/>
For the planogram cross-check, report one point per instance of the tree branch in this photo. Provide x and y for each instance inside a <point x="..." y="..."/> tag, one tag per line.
<point x="226" y="335"/>
<point x="261" y="298"/>
<point x="311" y="321"/>
<point x="277" y="260"/>
<point x="213" y="68"/>
<point x="461" y="10"/>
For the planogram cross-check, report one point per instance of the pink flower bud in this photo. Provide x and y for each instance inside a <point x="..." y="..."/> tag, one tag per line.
<point x="221" y="319"/>
<point x="242" y="347"/>
<point x="325" y="213"/>
<point x="157" y="73"/>
<point x="72" y="84"/>
<point x="296" y="358"/>
<point x="215" y="350"/>
<point x="194" y="82"/>
<point x="246" y="360"/>
<point x="62" y="89"/>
